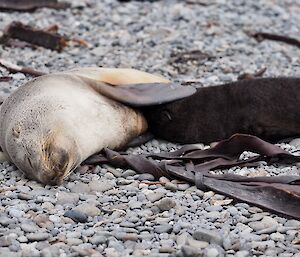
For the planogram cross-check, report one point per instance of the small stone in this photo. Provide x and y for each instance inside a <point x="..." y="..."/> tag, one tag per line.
<point x="277" y="236"/>
<point x="292" y="223"/>
<point x="214" y="208"/>
<point x="76" y="216"/>
<point x="98" y="239"/>
<point x="208" y="195"/>
<point x="29" y="227"/>
<point x="54" y="218"/>
<point x="74" y="241"/>
<point x="182" y="238"/>
<point x="51" y="251"/>
<point x="211" y="252"/>
<point x="171" y="186"/>
<point x="5" y="241"/>
<point x="127" y="236"/>
<point x="5" y="221"/>
<point x="16" y="213"/>
<point x="242" y="253"/>
<point x="266" y="222"/>
<point x="295" y="142"/>
<point x="128" y="224"/>
<point x="233" y="211"/>
<point x="80" y="188"/>
<point x="37" y="236"/>
<point x="67" y="198"/>
<point x="188" y="251"/>
<point x="166" y="249"/>
<point x="102" y="185"/>
<point x="208" y="236"/>
<point x="197" y="244"/>
<point x="88" y="209"/>
<point x="166" y="228"/>
<point x="183" y="187"/>
<point x="166" y="204"/>
<point x="22" y="239"/>
<point x="164" y="180"/>
<point x="155" y="196"/>
<point x="146" y="176"/>
<point x="128" y="173"/>
<point x="42" y="220"/>
<point x="111" y="252"/>
<point x="262" y="246"/>
<point x="24" y="196"/>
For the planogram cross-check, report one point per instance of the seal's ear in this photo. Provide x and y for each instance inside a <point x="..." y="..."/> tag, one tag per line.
<point x="133" y="87"/>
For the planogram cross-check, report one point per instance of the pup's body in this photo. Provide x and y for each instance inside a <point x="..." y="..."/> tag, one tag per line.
<point x="267" y="107"/>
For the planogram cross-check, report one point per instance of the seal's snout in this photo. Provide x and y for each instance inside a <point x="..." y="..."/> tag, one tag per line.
<point x="56" y="165"/>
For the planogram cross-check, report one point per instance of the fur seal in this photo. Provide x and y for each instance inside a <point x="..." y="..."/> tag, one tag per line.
<point x="266" y="107"/>
<point x="54" y="122"/>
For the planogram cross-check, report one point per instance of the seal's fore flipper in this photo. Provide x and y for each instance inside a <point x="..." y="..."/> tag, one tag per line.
<point x="132" y="87"/>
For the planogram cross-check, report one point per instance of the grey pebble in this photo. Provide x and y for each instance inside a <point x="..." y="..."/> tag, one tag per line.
<point x="211" y="252"/>
<point x="166" y="204"/>
<point x="79" y="187"/>
<point x="126" y="236"/>
<point x="166" y="228"/>
<point x="155" y="196"/>
<point x="16" y="213"/>
<point x="242" y="253"/>
<point x="76" y="216"/>
<point x="197" y="244"/>
<point x="208" y="236"/>
<point x="266" y="222"/>
<point x="128" y="173"/>
<point x="67" y="198"/>
<point x="188" y="251"/>
<point x="146" y="176"/>
<point x="292" y="223"/>
<point x="88" y="209"/>
<point x="51" y="251"/>
<point x="29" y="227"/>
<point x="171" y="186"/>
<point x="101" y="185"/>
<point x="37" y="236"/>
<point x="277" y="236"/>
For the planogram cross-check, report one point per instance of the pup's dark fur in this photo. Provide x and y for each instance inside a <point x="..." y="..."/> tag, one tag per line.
<point x="267" y="107"/>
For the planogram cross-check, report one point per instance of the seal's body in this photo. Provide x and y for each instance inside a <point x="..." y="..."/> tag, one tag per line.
<point x="50" y="125"/>
<point x="265" y="107"/>
<point x="54" y="122"/>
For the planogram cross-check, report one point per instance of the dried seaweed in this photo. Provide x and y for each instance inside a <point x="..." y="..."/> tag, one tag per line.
<point x="260" y="36"/>
<point x="182" y="60"/>
<point x="280" y="194"/>
<point x="255" y="75"/>
<point x="30" y="5"/>
<point x="39" y="37"/>
<point x="5" y="79"/>
<point x="13" y="68"/>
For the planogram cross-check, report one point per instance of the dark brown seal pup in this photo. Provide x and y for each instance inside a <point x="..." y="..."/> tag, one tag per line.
<point x="265" y="107"/>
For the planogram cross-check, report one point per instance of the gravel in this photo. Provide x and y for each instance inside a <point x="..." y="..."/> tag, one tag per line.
<point x="113" y="212"/>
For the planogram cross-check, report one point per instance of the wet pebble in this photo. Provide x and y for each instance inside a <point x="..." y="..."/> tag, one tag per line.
<point x="76" y="216"/>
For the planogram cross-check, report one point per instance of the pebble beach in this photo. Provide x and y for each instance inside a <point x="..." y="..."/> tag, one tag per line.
<point x="106" y="211"/>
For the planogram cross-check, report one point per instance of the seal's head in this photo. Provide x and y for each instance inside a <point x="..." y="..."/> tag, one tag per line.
<point x="46" y="157"/>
